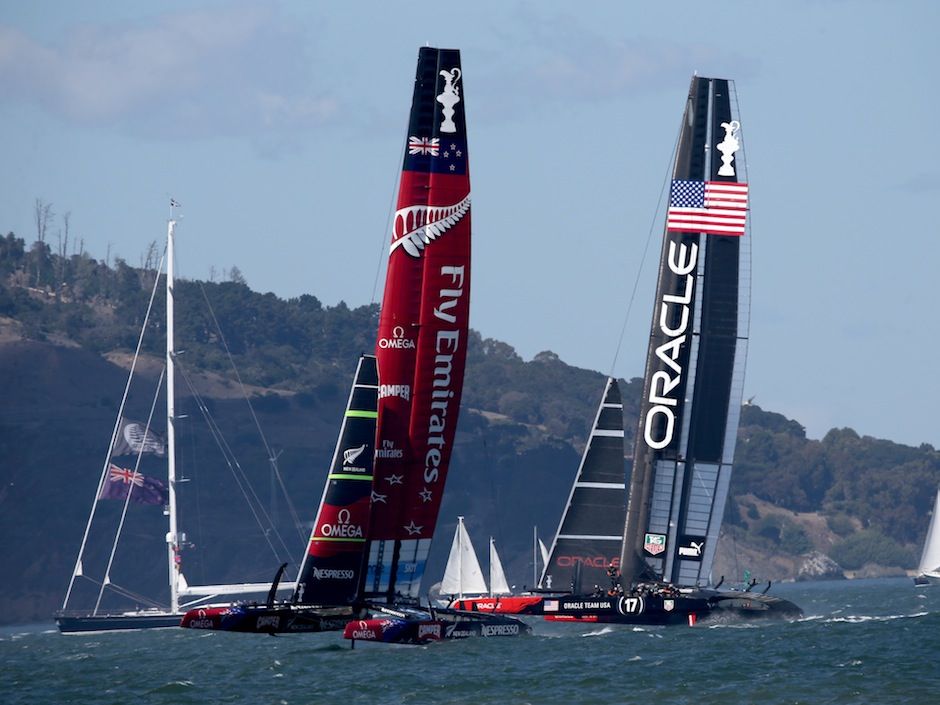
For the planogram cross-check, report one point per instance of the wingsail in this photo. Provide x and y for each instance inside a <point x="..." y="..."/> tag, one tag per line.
<point x="422" y="337"/>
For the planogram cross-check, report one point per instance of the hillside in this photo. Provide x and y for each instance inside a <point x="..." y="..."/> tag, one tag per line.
<point x="68" y="326"/>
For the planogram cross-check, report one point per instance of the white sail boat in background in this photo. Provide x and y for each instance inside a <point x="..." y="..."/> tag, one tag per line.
<point x="141" y="439"/>
<point x="928" y="572"/>
<point x="462" y="575"/>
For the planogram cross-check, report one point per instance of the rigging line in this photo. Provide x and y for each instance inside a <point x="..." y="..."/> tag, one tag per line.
<point x="114" y="432"/>
<point x="750" y="213"/>
<point x="193" y="467"/>
<point x="390" y="214"/>
<point x="241" y="479"/>
<point x="272" y="458"/>
<point x="646" y="247"/>
<point x="130" y="491"/>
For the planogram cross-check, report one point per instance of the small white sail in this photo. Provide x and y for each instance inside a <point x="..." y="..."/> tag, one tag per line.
<point x="544" y="552"/>
<point x="462" y="576"/>
<point x="930" y="559"/>
<point x="498" y="584"/>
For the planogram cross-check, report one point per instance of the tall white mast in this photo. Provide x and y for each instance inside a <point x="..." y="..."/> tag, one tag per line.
<point x="460" y="556"/>
<point x="171" y="537"/>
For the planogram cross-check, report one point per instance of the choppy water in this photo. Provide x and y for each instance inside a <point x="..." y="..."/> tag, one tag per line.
<point x="866" y="642"/>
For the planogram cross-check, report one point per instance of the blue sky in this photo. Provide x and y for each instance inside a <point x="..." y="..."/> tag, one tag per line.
<point x="279" y="127"/>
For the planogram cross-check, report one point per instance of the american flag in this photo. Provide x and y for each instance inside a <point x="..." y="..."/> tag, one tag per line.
<point x="424" y="145"/>
<point x="714" y="207"/>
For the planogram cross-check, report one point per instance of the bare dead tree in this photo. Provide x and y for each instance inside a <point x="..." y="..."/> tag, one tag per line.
<point x="62" y="252"/>
<point x="43" y="216"/>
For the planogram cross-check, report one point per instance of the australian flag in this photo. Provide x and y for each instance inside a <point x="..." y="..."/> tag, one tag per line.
<point x="143" y="489"/>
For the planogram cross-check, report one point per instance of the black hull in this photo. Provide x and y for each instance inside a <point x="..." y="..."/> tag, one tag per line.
<point x="77" y="623"/>
<point x="260" y="619"/>
<point x="686" y="608"/>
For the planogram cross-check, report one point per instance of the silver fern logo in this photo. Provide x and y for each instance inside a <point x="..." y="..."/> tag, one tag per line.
<point x="416" y="226"/>
<point x="350" y="455"/>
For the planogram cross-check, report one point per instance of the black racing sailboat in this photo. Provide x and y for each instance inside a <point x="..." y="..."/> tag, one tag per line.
<point x="326" y="594"/>
<point x="692" y="393"/>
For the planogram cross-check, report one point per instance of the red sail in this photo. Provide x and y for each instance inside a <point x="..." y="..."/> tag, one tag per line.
<point x="422" y="337"/>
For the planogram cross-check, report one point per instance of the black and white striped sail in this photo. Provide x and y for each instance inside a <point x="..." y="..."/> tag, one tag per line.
<point x="590" y="533"/>
<point x="698" y="344"/>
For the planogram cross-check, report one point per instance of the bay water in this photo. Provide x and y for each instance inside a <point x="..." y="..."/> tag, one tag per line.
<point x="863" y="641"/>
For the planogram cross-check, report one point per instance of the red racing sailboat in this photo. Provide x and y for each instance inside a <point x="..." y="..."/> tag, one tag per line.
<point x="421" y="353"/>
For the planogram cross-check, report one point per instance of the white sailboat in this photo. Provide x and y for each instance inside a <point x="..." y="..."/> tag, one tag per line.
<point x="70" y="619"/>
<point x="928" y="572"/>
<point x="462" y="575"/>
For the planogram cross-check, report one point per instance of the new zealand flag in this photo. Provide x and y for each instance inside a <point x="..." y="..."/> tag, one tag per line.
<point x="143" y="489"/>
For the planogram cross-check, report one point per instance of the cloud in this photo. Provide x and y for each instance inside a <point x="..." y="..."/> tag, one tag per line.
<point x="562" y="59"/>
<point x="232" y="71"/>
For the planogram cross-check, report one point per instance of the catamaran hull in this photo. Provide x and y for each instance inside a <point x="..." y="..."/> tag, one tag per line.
<point x="927" y="580"/>
<point x="512" y="604"/>
<point x="258" y="619"/>
<point x="77" y="623"/>
<point x="445" y="624"/>
<point x="700" y="607"/>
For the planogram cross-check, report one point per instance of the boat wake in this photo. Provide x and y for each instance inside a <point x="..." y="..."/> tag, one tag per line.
<point x="861" y="619"/>
<point x="600" y="632"/>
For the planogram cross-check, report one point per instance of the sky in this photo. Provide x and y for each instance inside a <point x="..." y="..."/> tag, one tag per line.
<point x="279" y="127"/>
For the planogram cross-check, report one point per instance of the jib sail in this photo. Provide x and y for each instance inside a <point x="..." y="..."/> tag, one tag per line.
<point x="589" y="536"/>
<point x="331" y="571"/>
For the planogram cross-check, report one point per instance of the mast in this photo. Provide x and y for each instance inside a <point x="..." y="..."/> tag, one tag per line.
<point x="535" y="558"/>
<point x="694" y="378"/>
<point x="460" y="550"/>
<point x="173" y="551"/>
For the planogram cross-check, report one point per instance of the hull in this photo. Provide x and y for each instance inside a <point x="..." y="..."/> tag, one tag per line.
<point x="418" y="627"/>
<point x="71" y="623"/>
<point x="927" y="580"/>
<point x="670" y="608"/>
<point x="511" y="604"/>
<point x="260" y="619"/>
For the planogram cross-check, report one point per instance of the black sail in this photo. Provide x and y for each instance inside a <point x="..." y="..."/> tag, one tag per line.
<point x="698" y="344"/>
<point x="332" y="569"/>
<point x="589" y="536"/>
